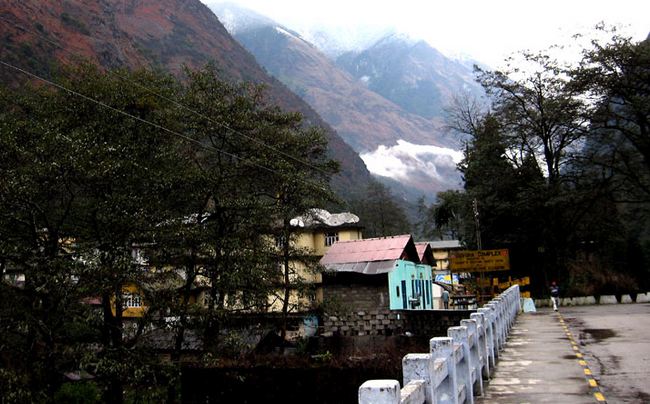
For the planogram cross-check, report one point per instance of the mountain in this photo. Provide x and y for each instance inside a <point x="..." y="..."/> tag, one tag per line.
<point x="335" y="42"/>
<point x="164" y="34"/>
<point x="407" y="147"/>
<point x="412" y="74"/>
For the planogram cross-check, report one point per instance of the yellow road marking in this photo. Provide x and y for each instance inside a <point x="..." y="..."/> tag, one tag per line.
<point x="592" y="382"/>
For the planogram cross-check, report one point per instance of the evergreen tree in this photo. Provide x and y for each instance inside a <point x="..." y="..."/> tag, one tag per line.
<point x="380" y="213"/>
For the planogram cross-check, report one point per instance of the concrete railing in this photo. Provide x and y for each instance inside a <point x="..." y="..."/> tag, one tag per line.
<point x="454" y="369"/>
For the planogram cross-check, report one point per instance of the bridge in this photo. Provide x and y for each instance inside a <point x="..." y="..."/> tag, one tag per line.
<point x="497" y="355"/>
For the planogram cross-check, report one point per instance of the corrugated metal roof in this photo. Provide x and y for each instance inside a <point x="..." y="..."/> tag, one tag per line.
<point x="444" y="244"/>
<point x="422" y="249"/>
<point x="368" y="250"/>
<point x="425" y="253"/>
<point x="367" y="268"/>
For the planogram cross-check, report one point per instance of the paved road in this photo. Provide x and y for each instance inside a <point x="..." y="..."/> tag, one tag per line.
<point x="582" y="354"/>
<point x="616" y="344"/>
<point x="539" y="364"/>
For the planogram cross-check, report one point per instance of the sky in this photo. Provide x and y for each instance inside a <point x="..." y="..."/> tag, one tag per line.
<point x="487" y="31"/>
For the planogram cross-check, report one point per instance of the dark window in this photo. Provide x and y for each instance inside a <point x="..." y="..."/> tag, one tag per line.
<point x="331" y="238"/>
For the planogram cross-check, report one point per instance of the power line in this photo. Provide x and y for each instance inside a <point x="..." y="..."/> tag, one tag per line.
<point x="174" y="102"/>
<point x="147" y="122"/>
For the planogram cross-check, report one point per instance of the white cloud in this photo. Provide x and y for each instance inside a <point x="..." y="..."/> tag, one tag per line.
<point x="404" y="160"/>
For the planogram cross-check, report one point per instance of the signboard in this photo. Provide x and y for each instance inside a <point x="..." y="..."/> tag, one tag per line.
<point x="446" y="278"/>
<point x="479" y="261"/>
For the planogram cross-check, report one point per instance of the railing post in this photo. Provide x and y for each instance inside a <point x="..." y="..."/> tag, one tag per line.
<point x="445" y="385"/>
<point x="481" y="325"/>
<point x="496" y="326"/>
<point x="501" y="321"/>
<point x="488" y="314"/>
<point x="464" y="367"/>
<point x="474" y="355"/>
<point x="379" y="392"/>
<point x="419" y="366"/>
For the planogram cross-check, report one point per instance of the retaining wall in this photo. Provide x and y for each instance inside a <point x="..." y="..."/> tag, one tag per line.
<point x="589" y="300"/>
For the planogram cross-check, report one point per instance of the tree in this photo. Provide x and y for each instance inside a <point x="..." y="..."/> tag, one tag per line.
<point x="450" y="216"/>
<point x="303" y="187"/>
<point x="540" y="114"/>
<point x="542" y="118"/>
<point x="251" y="200"/>
<point x="81" y="184"/>
<point x="499" y="187"/>
<point x="128" y="190"/>
<point x="614" y="77"/>
<point x="380" y="213"/>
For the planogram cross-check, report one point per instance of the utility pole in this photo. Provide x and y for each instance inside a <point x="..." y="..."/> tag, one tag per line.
<point x="478" y="226"/>
<point x="478" y="242"/>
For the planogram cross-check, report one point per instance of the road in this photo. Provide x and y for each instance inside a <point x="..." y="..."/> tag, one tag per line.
<point x="614" y="340"/>
<point x="538" y="365"/>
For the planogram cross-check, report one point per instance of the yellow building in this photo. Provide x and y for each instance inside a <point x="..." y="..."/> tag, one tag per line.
<point x="315" y="233"/>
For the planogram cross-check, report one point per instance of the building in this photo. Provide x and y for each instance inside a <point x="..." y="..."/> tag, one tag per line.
<point x="441" y="250"/>
<point x="366" y="281"/>
<point x="315" y="232"/>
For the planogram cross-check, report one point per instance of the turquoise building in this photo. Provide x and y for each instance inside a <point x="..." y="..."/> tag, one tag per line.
<point x="405" y="264"/>
<point x="410" y="286"/>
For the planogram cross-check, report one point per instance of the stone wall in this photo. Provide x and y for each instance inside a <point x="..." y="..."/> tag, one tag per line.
<point x="360" y="307"/>
<point x="357" y="297"/>
<point x="373" y="322"/>
<point x="357" y="305"/>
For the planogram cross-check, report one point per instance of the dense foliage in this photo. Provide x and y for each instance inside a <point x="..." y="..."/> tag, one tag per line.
<point x="115" y="184"/>
<point x="556" y="169"/>
<point x="380" y="212"/>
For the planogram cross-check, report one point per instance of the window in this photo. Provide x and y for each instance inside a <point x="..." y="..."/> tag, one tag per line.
<point x="131" y="300"/>
<point x="280" y="241"/>
<point x="331" y="238"/>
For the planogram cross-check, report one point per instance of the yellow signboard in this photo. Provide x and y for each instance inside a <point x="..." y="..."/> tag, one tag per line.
<point x="479" y="261"/>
